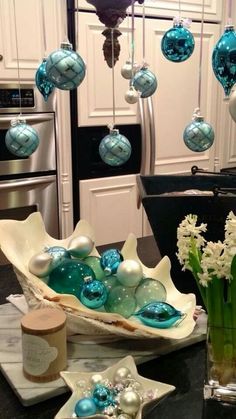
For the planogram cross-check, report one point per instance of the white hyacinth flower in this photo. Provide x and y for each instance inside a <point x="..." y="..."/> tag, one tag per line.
<point x="212" y="262"/>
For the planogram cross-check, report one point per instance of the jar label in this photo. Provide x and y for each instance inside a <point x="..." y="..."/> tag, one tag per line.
<point x="37" y="354"/>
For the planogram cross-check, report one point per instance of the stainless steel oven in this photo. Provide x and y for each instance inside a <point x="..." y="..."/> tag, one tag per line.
<point x="29" y="184"/>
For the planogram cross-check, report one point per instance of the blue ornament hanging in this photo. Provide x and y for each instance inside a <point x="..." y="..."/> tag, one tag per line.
<point x="21" y="139"/>
<point x="177" y="44"/>
<point x="44" y="85"/>
<point x="110" y="260"/>
<point x="93" y="294"/>
<point x="224" y="59"/>
<point x="198" y="135"/>
<point x="65" y="68"/>
<point x="159" y="314"/>
<point x="58" y="254"/>
<point x="85" y="407"/>
<point x="145" y="82"/>
<point x="115" y="148"/>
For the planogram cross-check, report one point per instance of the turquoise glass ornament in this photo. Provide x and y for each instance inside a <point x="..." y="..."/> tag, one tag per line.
<point x="65" y="68"/>
<point x="159" y="314"/>
<point x="93" y="294"/>
<point x="69" y="277"/>
<point x="224" y="59"/>
<point x="149" y="291"/>
<point x="145" y="82"/>
<point x="44" y="85"/>
<point x="198" y="135"/>
<point x="110" y="260"/>
<point x="110" y="282"/>
<point x="115" y="148"/>
<point x="177" y="44"/>
<point x="21" y="139"/>
<point x="102" y="396"/>
<point x="95" y="265"/>
<point x="121" y="300"/>
<point x="85" y="407"/>
<point x="58" y="254"/>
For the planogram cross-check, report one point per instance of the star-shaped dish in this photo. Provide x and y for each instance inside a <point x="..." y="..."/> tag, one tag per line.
<point x="159" y="390"/>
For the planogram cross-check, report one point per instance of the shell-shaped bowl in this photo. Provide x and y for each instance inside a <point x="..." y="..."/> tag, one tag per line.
<point x="20" y="240"/>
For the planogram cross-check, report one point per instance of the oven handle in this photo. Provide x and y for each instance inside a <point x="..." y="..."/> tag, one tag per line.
<point x="35" y="118"/>
<point x="5" y="185"/>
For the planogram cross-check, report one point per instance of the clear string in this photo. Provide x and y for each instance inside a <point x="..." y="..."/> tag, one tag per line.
<point x="113" y="76"/>
<point x="229" y="12"/>
<point x="64" y="21"/>
<point x="132" y="39"/>
<point x="44" y="28"/>
<point x="17" y="55"/>
<point x="77" y="26"/>
<point x="179" y="8"/>
<point x="128" y="35"/>
<point x="200" y="57"/>
<point x="144" y="33"/>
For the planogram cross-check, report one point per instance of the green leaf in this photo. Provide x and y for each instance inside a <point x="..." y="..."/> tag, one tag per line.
<point x="194" y="263"/>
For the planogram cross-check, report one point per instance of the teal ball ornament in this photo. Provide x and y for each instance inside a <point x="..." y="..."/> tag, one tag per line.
<point x="69" y="277"/>
<point x="198" y="135"/>
<point x="177" y="44"/>
<point x="145" y="82"/>
<point x="65" y="68"/>
<point x="129" y="273"/>
<point x="21" y="139"/>
<point x="110" y="282"/>
<point x="58" y="254"/>
<point x="80" y="246"/>
<point x="224" y="59"/>
<point x="150" y="290"/>
<point x="85" y="407"/>
<point x="159" y="314"/>
<point x="95" y="265"/>
<point x="121" y="300"/>
<point x="110" y="260"/>
<point x="115" y="148"/>
<point x="93" y="294"/>
<point x="44" y="85"/>
<point x="102" y="396"/>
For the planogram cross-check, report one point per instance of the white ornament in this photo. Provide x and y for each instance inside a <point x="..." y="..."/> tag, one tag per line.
<point x="129" y="273"/>
<point x="80" y="246"/>
<point x="121" y="374"/>
<point x="96" y="379"/>
<point x="40" y="263"/>
<point x="126" y="70"/>
<point x="130" y="402"/>
<point x="232" y="105"/>
<point x="132" y="96"/>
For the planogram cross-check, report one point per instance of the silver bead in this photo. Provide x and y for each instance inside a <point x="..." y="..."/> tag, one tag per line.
<point x="130" y="402"/>
<point x="129" y="273"/>
<point x="80" y="246"/>
<point x="40" y="264"/>
<point x="81" y="384"/>
<point x="121" y="374"/>
<point x="132" y="96"/>
<point x="96" y="378"/>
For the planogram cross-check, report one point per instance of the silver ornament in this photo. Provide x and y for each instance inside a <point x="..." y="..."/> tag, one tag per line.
<point x="40" y="264"/>
<point x="80" y="247"/>
<point x="129" y="273"/>
<point x="95" y="379"/>
<point x="232" y="105"/>
<point x="126" y="70"/>
<point x="121" y="374"/>
<point x="132" y="96"/>
<point x="130" y="402"/>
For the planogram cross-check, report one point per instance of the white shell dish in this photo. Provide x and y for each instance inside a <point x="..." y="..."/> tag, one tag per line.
<point x="20" y="240"/>
<point x="72" y="378"/>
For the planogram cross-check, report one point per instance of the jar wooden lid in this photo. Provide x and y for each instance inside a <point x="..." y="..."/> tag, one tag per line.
<point x="43" y="321"/>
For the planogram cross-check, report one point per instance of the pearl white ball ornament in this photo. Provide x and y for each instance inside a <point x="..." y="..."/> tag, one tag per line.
<point x="81" y="246"/>
<point x="40" y="264"/>
<point x="130" y="402"/>
<point x="126" y="70"/>
<point x="96" y="379"/>
<point x="129" y="273"/>
<point x="132" y="96"/>
<point x="121" y="374"/>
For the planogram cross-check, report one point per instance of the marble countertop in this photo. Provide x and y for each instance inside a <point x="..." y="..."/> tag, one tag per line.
<point x="184" y="368"/>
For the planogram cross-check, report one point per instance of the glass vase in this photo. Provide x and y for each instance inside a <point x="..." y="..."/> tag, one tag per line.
<point x="220" y="378"/>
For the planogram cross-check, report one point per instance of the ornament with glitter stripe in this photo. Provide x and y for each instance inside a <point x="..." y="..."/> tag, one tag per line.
<point x="44" y="85"/>
<point x="21" y="139"/>
<point x="224" y="59"/>
<point x="145" y="82"/>
<point x="65" y="68"/>
<point x="198" y="135"/>
<point x="115" y="148"/>
<point x="177" y="44"/>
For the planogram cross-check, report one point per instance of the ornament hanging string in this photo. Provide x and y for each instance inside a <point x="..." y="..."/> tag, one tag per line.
<point x="144" y="40"/>
<point x="229" y="13"/>
<point x="132" y="40"/>
<point x="64" y="21"/>
<point x="77" y="26"/>
<point x="17" y="55"/>
<point x="179" y="9"/>
<point x="44" y="28"/>
<point x="113" y="79"/>
<point x="197" y="111"/>
<point x="128" y="35"/>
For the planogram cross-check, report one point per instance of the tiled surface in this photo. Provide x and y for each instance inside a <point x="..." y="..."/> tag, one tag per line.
<point x="82" y="356"/>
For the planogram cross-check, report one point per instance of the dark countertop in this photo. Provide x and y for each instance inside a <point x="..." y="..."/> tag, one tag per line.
<point x="183" y="368"/>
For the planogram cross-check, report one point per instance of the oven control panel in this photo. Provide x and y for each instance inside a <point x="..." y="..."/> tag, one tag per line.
<point x="16" y="97"/>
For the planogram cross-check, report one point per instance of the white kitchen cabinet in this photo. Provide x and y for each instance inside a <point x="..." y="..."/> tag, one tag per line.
<point x="29" y="34"/>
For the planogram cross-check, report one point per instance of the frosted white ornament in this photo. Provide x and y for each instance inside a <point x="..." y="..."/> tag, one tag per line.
<point x="130" y="402"/>
<point x="80" y="247"/>
<point x="40" y="264"/>
<point x="121" y="374"/>
<point x="232" y="105"/>
<point x="96" y="378"/>
<point x="129" y="273"/>
<point x="126" y="70"/>
<point x="132" y="96"/>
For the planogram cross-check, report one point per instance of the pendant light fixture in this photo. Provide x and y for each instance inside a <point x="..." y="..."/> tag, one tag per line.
<point x="21" y="139"/>
<point x="199" y="135"/>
